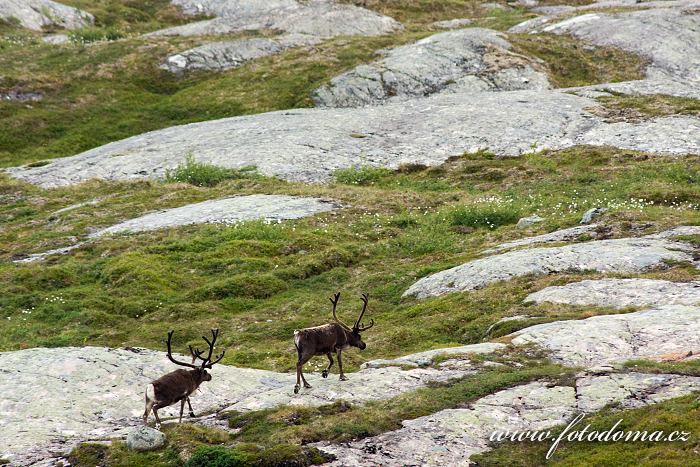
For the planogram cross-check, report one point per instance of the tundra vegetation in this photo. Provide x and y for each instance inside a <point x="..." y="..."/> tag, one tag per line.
<point x="259" y="281"/>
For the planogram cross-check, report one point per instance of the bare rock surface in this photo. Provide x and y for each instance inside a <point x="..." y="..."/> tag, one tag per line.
<point x="631" y="390"/>
<point x="620" y="293"/>
<point x="19" y="96"/>
<point x="322" y="18"/>
<point x="473" y="59"/>
<point x="95" y="393"/>
<point x="452" y="436"/>
<point x="456" y="23"/>
<point x="563" y="235"/>
<point x="427" y="357"/>
<point x="219" y="56"/>
<point x="626" y="255"/>
<point x="225" y="211"/>
<point x="617" y="338"/>
<point x="309" y="144"/>
<point x="37" y="14"/>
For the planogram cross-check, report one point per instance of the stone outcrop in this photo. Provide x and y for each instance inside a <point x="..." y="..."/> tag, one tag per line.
<point x="38" y="14"/>
<point x="564" y="235"/>
<point x="616" y="338"/>
<point x="310" y="144"/>
<point x="321" y="18"/>
<point x="473" y="59"/>
<point x="452" y="436"/>
<point x="219" y="56"/>
<point x="620" y="293"/>
<point x="20" y="96"/>
<point x="625" y="255"/>
<point x="225" y="211"/>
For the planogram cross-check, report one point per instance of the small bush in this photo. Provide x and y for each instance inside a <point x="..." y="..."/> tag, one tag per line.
<point x="488" y="216"/>
<point x="361" y="175"/>
<point x="242" y="285"/>
<point x="200" y="174"/>
<point x="218" y="456"/>
<point x="88" y="35"/>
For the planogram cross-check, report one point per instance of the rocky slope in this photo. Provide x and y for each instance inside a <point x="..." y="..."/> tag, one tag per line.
<point x="310" y="144"/>
<point x="473" y="59"/>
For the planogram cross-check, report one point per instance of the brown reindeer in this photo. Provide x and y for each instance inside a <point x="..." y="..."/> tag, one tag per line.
<point x="332" y="337"/>
<point x="178" y="386"/>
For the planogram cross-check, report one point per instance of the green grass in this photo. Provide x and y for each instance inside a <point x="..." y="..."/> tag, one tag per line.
<point x="204" y="175"/>
<point x="570" y="63"/>
<point x="681" y="414"/>
<point x="619" y="107"/>
<point x="258" y="282"/>
<point x="689" y="367"/>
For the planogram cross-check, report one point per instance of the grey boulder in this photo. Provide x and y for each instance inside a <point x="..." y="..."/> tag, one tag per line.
<point x="472" y="59"/>
<point x="144" y="438"/>
<point x="37" y="14"/>
<point x="219" y="56"/>
<point x="592" y="214"/>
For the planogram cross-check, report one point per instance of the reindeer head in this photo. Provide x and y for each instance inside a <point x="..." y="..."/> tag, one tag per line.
<point x="207" y="363"/>
<point x="353" y="336"/>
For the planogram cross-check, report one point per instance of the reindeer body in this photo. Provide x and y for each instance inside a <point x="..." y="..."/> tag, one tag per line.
<point x="179" y="385"/>
<point x="325" y="340"/>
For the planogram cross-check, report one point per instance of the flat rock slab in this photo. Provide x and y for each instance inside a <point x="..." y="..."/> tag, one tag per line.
<point x="97" y="393"/>
<point x="226" y="211"/>
<point x="473" y="59"/>
<point x="19" y="96"/>
<point x="624" y="255"/>
<point x="219" y="56"/>
<point x="452" y="436"/>
<point x="620" y="293"/>
<point x="668" y="37"/>
<point x="322" y="18"/>
<point x="308" y="145"/>
<point x="36" y="14"/>
<point x="563" y="235"/>
<point x="617" y="338"/>
<point x="427" y="357"/>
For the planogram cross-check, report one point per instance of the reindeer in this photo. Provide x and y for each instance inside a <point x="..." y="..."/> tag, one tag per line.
<point x="178" y="385"/>
<point x="332" y="337"/>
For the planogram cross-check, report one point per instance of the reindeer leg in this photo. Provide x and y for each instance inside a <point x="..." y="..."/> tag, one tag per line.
<point x="189" y="404"/>
<point x="324" y="373"/>
<point x="155" y="412"/>
<point x="340" y="366"/>
<point x="182" y="408"/>
<point x="149" y="406"/>
<point x="303" y="358"/>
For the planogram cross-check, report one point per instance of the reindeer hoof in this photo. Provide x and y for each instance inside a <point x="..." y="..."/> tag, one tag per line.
<point x="307" y="386"/>
<point x="192" y="415"/>
<point x="157" y="426"/>
<point x="343" y="378"/>
<point x="296" y="389"/>
<point x="324" y="373"/>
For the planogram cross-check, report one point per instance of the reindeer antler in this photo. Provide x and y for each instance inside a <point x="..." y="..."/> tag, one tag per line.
<point x="206" y="362"/>
<point x="358" y="327"/>
<point x="170" y="353"/>
<point x="334" y="301"/>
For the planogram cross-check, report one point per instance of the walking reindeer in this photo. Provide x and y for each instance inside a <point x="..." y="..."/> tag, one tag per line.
<point x="179" y="385"/>
<point x="329" y="338"/>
